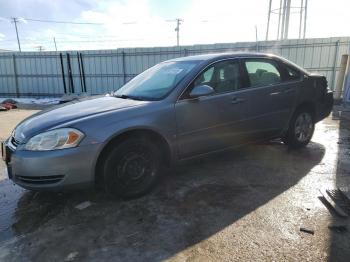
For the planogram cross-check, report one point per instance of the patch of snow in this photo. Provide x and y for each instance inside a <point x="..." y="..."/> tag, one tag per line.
<point x="83" y="205"/>
<point x="36" y="101"/>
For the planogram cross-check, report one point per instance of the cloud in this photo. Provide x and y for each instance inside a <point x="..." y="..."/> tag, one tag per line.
<point x="139" y="23"/>
<point x="134" y="23"/>
<point x="223" y="21"/>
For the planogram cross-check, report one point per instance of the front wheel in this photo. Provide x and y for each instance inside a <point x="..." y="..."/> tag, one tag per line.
<point x="132" y="168"/>
<point x="301" y="129"/>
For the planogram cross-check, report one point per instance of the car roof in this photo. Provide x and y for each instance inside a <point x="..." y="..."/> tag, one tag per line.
<point x="220" y="56"/>
<point x="217" y="56"/>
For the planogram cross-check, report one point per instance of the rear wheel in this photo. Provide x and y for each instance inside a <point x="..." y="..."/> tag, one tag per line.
<point x="132" y="168"/>
<point x="301" y="129"/>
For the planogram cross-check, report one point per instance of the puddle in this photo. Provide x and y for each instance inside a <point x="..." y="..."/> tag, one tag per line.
<point x="23" y="211"/>
<point x="9" y="197"/>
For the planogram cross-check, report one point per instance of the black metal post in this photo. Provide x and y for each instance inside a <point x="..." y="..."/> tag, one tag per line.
<point x="80" y="74"/>
<point x="82" y="70"/>
<point x="63" y="78"/>
<point x="71" y="84"/>
<point x="15" y="74"/>
<point x="186" y="52"/>
<point x="123" y="63"/>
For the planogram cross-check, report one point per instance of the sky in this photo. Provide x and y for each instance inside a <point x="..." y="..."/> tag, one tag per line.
<point x="151" y="23"/>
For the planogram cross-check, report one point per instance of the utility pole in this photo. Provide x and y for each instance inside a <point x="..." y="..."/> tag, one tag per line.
<point x="40" y="48"/>
<point x="268" y="21"/>
<point x="54" y="40"/>
<point x="305" y="16"/>
<point x="287" y="20"/>
<point x="177" y="29"/>
<point x="283" y="18"/>
<point x="15" y="20"/>
<point x="284" y="12"/>
<point x="301" y="17"/>
<point x="279" y="20"/>
<point x="256" y="38"/>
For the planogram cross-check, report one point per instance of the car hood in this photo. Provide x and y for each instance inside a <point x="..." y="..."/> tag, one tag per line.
<point x="71" y="111"/>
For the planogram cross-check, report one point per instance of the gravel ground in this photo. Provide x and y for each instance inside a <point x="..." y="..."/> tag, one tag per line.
<point x="244" y="205"/>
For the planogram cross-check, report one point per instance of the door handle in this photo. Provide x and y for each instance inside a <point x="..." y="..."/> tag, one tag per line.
<point x="237" y="100"/>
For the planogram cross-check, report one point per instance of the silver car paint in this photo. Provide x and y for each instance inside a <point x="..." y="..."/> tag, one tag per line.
<point x="180" y="122"/>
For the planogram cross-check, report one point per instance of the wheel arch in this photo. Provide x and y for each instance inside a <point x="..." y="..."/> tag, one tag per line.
<point x="308" y="105"/>
<point x="155" y="137"/>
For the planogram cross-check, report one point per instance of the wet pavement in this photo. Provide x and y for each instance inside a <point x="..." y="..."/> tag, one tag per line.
<point x="245" y="204"/>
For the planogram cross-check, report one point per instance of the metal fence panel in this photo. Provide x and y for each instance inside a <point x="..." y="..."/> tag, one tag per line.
<point x="40" y="74"/>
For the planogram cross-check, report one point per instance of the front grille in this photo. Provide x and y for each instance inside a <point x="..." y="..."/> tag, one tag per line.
<point x="39" y="180"/>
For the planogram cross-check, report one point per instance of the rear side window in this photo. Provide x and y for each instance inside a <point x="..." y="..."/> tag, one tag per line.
<point x="262" y="72"/>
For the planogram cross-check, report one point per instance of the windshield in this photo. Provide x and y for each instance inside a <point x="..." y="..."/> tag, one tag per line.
<point x="156" y="82"/>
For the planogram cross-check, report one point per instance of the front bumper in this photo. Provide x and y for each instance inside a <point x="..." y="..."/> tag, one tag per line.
<point x="54" y="170"/>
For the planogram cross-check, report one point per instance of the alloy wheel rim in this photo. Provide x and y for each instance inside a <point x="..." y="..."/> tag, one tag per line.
<point x="303" y="127"/>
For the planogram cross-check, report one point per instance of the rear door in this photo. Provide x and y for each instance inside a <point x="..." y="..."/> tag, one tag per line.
<point x="217" y="121"/>
<point x="272" y="97"/>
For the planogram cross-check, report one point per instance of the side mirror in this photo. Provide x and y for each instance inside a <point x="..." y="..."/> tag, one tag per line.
<point x="201" y="90"/>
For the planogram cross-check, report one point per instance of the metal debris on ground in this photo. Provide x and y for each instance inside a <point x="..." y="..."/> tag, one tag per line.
<point x="83" y="205"/>
<point x="341" y="199"/>
<point x="307" y="230"/>
<point x="335" y="201"/>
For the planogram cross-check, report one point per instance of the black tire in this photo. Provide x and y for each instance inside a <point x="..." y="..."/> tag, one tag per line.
<point x="301" y="129"/>
<point x="132" y="168"/>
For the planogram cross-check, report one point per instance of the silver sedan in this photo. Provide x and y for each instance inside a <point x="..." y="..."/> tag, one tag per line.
<point x="178" y="109"/>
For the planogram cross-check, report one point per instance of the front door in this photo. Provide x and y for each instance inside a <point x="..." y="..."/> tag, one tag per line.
<point x="217" y="121"/>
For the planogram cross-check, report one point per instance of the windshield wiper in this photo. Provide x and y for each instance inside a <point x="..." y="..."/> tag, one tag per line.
<point x="129" y="97"/>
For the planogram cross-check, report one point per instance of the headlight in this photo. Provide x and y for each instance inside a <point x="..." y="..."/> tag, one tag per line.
<point x="55" y="139"/>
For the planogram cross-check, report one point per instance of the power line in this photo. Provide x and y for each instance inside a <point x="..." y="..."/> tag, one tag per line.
<point x="97" y="41"/>
<point x="62" y="22"/>
<point x="93" y="41"/>
<point x="7" y="40"/>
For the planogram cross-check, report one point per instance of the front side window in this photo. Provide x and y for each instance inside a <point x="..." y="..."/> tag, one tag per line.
<point x="262" y="73"/>
<point x="222" y="77"/>
<point x="156" y="82"/>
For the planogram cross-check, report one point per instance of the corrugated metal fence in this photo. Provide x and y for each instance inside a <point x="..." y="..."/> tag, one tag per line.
<point x="39" y="74"/>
